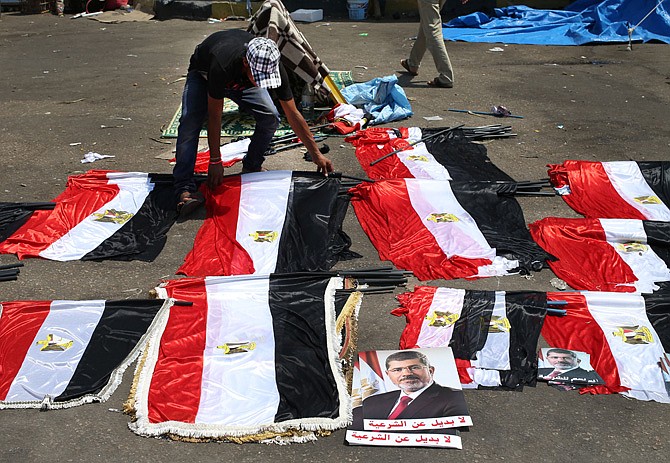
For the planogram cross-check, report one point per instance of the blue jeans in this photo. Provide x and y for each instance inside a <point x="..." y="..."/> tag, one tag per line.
<point x="255" y="101"/>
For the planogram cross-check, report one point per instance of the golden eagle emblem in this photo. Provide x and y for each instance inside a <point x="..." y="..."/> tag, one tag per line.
<point x="634" y="334"/>
<point x="264" y="236"/>
<point x="417" y="157"/>
<point x="647" y="200"/>
<point x="632" y="247"/>
<point x="55" y="343"/>
<point x="498" y="324"/>
<point x="237" y="347"/>
<point x="438" y="318"/>
<point x="113" y="216"/>
<point x="440" y="217"/>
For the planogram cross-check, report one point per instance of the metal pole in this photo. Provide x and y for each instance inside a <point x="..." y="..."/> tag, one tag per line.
<point x="414" y="143"/>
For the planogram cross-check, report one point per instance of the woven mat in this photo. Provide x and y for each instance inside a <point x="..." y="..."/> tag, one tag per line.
<point x="235" y="124"/>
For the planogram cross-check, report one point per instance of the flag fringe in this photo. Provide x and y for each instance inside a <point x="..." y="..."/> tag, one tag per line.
<point x="129" y="404"/>
<point x="262" y="438"/>
<point x="348" y="319"/>
<point x="332" y="336"/>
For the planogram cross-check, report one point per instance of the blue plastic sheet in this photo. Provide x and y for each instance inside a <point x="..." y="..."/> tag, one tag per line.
<point x="382" y="97"/>
<point x="584" y="21"/>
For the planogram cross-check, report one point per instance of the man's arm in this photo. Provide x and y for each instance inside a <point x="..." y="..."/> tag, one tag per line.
<point x="215" y="171"/>
<point x="299" y="126"/>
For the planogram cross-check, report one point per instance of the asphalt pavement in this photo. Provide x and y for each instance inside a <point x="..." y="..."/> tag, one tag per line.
<point x="70" y="86"/>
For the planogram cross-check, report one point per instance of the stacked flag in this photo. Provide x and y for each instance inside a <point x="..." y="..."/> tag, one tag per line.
<point x="231" y="154"/>
<point x="443" y="156"/>
<point x="439" y="229"/>
<point x="617" y="190"/>
<point x="625" y="255"/>
<point x="493" y="334"/>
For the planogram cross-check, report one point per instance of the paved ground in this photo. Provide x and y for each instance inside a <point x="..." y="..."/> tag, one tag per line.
<point x="63" y="79"/>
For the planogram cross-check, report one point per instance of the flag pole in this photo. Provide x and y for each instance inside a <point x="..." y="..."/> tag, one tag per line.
<point x="427" y="137"/>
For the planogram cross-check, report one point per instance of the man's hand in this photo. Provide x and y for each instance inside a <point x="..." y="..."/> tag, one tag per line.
<point x="323" y="164"/>
<point x="299" y="126"/>
<point x="214" y="175"/>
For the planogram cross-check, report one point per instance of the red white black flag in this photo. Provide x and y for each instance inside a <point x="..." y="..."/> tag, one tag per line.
<point x="266" y="222"/>
<point x="448" y="230"/>
<point x="254" y="356"/>
<point x="625" y="255"/>
<point x="58" y="354"/>
<point x="493" y="334"/>
<point x="442" y="157"/>
<point x="100" y="215"/>
<point x="617" y="190"/>
<point x="614" y="329"/>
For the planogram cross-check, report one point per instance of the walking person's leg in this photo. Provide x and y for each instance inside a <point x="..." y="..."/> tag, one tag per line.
<point x="431" y="23"/>
<point x="419" y="48"/>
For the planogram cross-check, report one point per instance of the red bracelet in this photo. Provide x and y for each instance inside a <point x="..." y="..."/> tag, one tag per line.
<point x="215" y="162"/>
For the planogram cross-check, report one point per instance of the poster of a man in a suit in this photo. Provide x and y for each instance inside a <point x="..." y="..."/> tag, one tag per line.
<point x="565" y="366"/>
<point x="411" y="400"/>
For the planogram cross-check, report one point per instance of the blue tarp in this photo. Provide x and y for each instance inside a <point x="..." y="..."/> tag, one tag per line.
<point x="584" y="21"/>
<point x="382" y="97"/>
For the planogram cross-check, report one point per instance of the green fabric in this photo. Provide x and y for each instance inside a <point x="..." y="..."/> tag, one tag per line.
<point x="233" y="123"/>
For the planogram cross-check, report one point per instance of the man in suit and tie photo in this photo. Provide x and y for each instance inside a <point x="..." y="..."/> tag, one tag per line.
<point x="418" y="396"/>
<point x="563" y="366"/>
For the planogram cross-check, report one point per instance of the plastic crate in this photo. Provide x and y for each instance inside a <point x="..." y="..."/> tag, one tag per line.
<point x="356" y="14"/>
<point x="357" y="9"/>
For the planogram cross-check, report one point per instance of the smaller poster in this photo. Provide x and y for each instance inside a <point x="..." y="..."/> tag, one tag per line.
<point x="564" y="367"/>
<point x="664" y="363"/>
<point x="409" y="398"/>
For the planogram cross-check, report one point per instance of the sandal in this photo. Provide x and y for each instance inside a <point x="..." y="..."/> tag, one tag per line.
<point x="189" y="202"/>
<point x="411" y="71"/>
<point x="436" y="83"/>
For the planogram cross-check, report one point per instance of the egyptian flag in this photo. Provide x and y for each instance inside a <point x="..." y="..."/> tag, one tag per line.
<point x="59" y="354"/>
<point x="616" y="190"/>
<point x="493" y="334"/>
<point x="368" y="377"/>
<point x="100" y="215"/>
<point x="447" y="230"/>
<point x="253" y="354"/>
<point x="14" y="215"/>
<point x="624" y="255"/>
<point x="444" y="157"/>
<point x="267" y="222"/>
<point x="614" y="329"/>
<point x="231" y="154"/>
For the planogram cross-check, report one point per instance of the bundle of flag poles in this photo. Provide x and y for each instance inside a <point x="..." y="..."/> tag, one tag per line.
<point x="488" y="131"/>
<point x="10" y="272"/>
<point x="373" y="280"/>
<point x="556" y="312"/>
<point x="521" y="188"/>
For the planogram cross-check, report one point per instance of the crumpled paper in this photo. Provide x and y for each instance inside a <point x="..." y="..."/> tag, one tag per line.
<point x="92" y="157"/>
